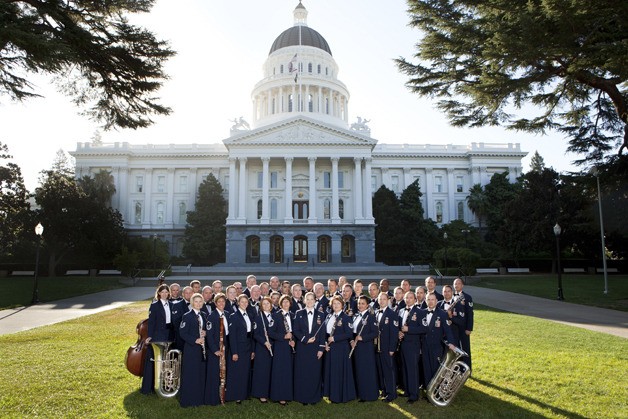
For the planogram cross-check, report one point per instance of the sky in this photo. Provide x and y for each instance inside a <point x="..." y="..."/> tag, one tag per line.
<point x="221" y="46"/>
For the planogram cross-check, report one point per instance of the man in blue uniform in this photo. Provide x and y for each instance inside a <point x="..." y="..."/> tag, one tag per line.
<point x="465" y="327"/>
<point x="410" y="346"/>
<point x="322" y="301"/>
<point x="385" y="345"/>
<point x="437" y="330"/>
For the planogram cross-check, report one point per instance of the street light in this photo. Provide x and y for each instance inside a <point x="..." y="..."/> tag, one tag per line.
<point x="445" y="237"/>
<point x="596" y="173"/>
<point x="466" y="237"/>
<point x="557" y="231"/>
<point x="39" y="230"/>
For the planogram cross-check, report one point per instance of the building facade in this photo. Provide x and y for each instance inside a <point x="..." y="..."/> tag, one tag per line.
<point x="299" y="180"/>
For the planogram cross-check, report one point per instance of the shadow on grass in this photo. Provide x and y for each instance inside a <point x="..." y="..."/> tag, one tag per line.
<point x="471" y="403"/>
<point x="553" y="409"/>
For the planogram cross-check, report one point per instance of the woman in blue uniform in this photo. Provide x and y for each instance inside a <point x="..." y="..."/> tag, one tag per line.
<point x="283" y="350"/>
<point x="338" y="383"/>
<point x="240" y="352"/>
<point x="159" y="330"/>
<point x="193" y="330"/>
<point x="260" y="386"/>
<point x="310" y="338"/>
<point x="216" y="340"/>
<point x="364" y="331"/>
<point x="388" y="335"/>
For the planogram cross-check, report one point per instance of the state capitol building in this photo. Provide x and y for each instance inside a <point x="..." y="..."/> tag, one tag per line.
<point x="299" y="179"/>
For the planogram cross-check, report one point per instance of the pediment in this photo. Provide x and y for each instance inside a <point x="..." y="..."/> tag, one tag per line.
<point x="299" y="131"/>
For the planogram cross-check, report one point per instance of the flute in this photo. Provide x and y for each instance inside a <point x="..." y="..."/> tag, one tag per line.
<point x="200" y="335"/>
<point x="287" y="326"/>
<point x="405" y="323"/>
<point x="270" y="349"/>
<point x="359" y="334"/>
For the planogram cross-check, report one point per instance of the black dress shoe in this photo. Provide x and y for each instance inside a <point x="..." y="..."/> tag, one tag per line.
<point x="263" y="400"/>
<point x="238" y="401"/>
<point x="283" y="403"/>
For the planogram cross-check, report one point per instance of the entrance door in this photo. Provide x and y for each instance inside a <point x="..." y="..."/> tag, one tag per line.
<point x="300" y="249"/>
<point x="299" y="210"/>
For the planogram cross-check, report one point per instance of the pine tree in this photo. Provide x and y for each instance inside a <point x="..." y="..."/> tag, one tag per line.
<point x="537" y="164"/>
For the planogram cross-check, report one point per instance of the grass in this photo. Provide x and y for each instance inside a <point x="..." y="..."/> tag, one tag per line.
<point x="579" y="289"/>
<point x="524" y="368"/>
<point x="18" y="291"/>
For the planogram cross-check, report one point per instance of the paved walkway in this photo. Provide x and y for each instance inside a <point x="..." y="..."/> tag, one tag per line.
<point x="592" y="318"/>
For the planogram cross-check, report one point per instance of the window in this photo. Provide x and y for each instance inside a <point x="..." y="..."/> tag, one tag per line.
<point x="225" y="185"/>
<point x="137" y="216"/>
<point x="161" y="183"/>
<point x="273" y="179"/>
<point x="341" y="209"/>
<point x="327" y="180"/>
<point x="139" y="183"/>
<point x="319" y="69"/>
<point x="459" y="184"/>
<point x="439" y="212"/>
<point x="327" y="71"/>
<point x="260" y="179"/>
<point x="373" y="184"/>
<point x="347" y="249"/>
<point x="309" y="68"/>
<point x="259" y="209"/>
<point x="395" y="183"/>
<point x="327" y="209"/>
<point x="281" y="69"/>
<point x="160" y="213"/>
<point x="290" y="103"/>
<point x="273" y="209"/>
<point x="310" y="103"/>
<point x="460" y="210"/>
<point x="438" y="183"/>
<point x="341" y="179"/>
<point x="183" y="217"/>
<point x="252" y="249"/>
<point x="183" y="183"/>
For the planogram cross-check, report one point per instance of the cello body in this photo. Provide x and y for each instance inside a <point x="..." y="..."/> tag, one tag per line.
<point x="136" y="354"/>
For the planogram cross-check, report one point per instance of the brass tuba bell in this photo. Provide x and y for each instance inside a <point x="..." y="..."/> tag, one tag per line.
<point x="449" y="378"/>
<point x="167" y="369"/>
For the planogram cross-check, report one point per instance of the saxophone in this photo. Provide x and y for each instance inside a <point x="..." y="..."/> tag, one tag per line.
<point x="167" y="369"/>
<point x="449" y="378"/>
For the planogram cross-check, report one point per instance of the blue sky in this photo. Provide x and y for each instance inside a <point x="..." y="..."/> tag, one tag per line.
<point x="221" y="47"/>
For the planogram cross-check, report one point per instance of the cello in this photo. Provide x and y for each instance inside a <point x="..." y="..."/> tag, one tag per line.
<point x="136" y="354"/>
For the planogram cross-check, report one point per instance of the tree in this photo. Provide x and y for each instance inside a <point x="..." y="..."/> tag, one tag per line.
<point x="487" y="60"/>
<point x="205" y="234"/>
<point x="537" y="164"/>
<point x="420" y="235"/>
<point x="390" y="242"/>
<point x="107" y="65"/>
<point x="499" y="192"/>
<point x="476" y="201"/>
<point x="100" y="187"/>
<point x="15" y="220"/>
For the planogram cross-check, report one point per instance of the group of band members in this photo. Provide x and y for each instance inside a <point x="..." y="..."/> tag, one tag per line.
<point x="337" y="342"/>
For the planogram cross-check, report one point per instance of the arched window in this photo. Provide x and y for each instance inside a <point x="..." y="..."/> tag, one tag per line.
<point x="341" y="209"/>
<point x="347" y="251"/>
<point x="259" y="209"/>
<point x="138" y="213"/>
<point x="439" y="212"/>
<point x="324" y="249"/>
<point x="182" y="212"/>
<point x="309" y="68"/>
<point x="160" y="213"/>
<point x="326" y="209"/>
<point x="252" y="249"/>
<point x="276" y="249"/>
<point x="460" y="210"/>
<point x="273" y="209"/>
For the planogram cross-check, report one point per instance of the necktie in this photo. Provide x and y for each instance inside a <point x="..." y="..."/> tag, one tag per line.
<point x="309" y="313"/>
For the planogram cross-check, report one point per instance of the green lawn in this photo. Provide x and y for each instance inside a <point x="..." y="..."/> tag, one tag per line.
<point x="579" y="289"/>
<point x="18" y="291"/>
<point x="524" y="368"/>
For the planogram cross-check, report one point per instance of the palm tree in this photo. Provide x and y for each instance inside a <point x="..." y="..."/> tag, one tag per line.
<point x="476" y="201"/>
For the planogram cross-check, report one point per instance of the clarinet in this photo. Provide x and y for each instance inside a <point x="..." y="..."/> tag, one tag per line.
<point x="404" y="324"/>
<point x="379" y="335"/>
<point x="223" y="362"/>
<point x="266" y="334"/>
<point x="200" y="335"/>
<point x="333" y="328"/>
<point x="287" y="326"/>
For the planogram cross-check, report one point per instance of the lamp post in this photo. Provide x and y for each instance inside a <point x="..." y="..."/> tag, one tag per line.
<point x="596" y="173"/>
<point x="446" y="245"/>
<point x="557" y="231"/>
<point x="466" y="237"/>
<point x="154" y="252"/>
<point x="39" y="230"/>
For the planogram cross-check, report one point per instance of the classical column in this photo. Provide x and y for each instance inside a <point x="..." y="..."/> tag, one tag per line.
<point x="148" y="204"/>
<point x="312" y="207"/>
<point x="357" y="188"/>
<point x="265" y="176"/>
<point x="335" y="215"/>
<point x="306" y="99"/>
<point x="429" y="187"/>
<point x="451" y="188"/>
<point x="170" y="199"/>
<point x="242" y="190"/>
<point x="232" y="189"/>
<point x="193" y="188"/>
<point x="269" y="105"/>
<point x="295" y="101"/>
<point x="288" y="191"/>
<point x="368" y="193"/>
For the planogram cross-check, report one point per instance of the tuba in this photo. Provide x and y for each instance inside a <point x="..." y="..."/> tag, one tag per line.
<point x="167" y="369"/>
<point x="449" y="378"/>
